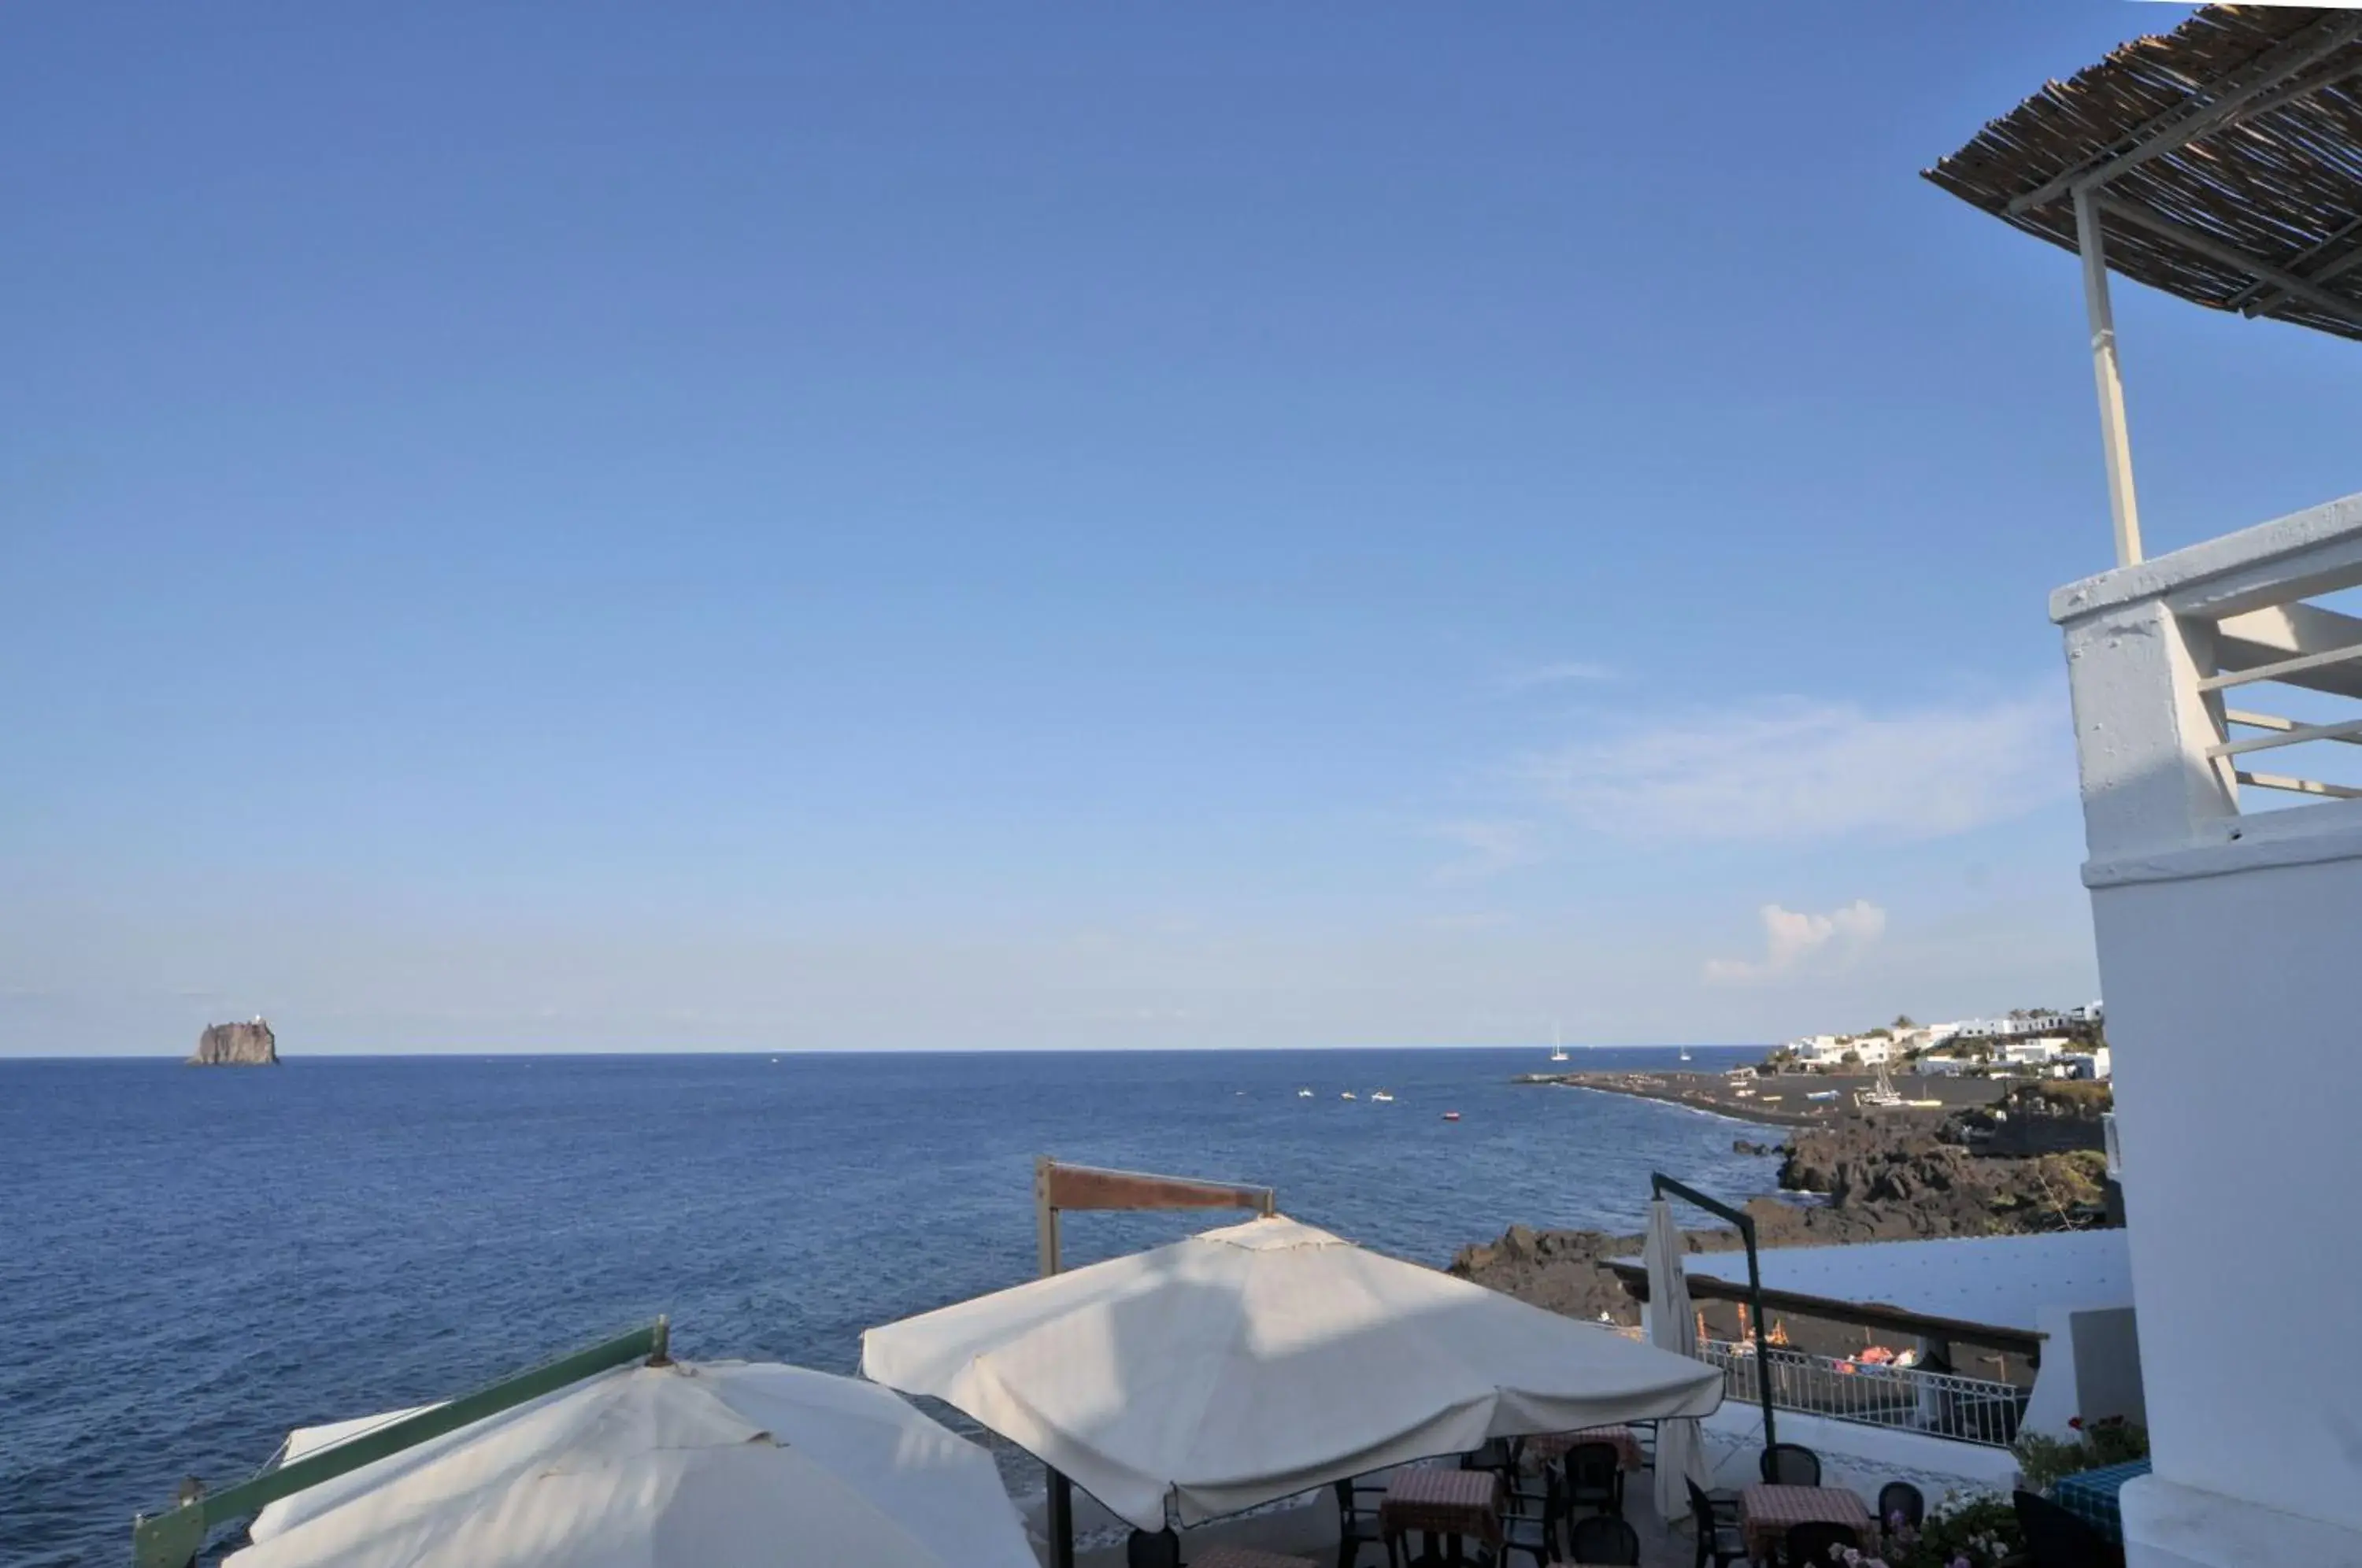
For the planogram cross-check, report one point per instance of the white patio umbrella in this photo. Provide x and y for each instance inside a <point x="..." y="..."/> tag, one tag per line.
<point x="713" y="1464"/>
<point x="1681" y="1452"/>
<point x="1254" y="1362"/>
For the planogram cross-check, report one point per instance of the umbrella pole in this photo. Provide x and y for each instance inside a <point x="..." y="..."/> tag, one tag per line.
<point x="1062" y="1521"/>
<point x="1059" y="1516"/>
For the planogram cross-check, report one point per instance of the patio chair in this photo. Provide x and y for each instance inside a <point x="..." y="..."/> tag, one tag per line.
<point x="1604" y="1538"/>
<point x="1644" y="1434"/>
<point x="1499" y="1455"/>
<point x="1716" y="1519"/>
<point x="1816" y="1544"/>
<point x="1532" y="1514"/>
<point x="1595" y="1478"/>
<point x="1903" y="1498"/>
<point x="1525" y="1535"/>
<point x="2057" y="1539"/>
<point x="1357" y="1522"/>
<point x="1791" y="1464"/>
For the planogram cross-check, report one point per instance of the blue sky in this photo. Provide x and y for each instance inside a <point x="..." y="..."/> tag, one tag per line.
<point x="875" y="526"/>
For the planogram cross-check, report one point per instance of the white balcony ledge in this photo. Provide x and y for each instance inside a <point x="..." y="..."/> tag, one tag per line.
<point x="2174" y="663"/>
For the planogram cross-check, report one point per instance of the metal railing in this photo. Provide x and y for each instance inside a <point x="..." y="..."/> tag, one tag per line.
<point x="2289" y="642"/>
<point x="1939" y="1404"/>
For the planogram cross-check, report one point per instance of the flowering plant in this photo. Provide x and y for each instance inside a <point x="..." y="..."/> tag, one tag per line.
<point x="1979" y="1531"/>
<point x="1975" y="1531"/>
<point x="1851" y="1558"/>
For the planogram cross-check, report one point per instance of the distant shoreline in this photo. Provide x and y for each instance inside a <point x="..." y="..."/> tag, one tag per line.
<point x="1718" y="1094"/>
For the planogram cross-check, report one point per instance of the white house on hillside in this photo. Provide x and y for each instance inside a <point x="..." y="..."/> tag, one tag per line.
<point x="2093" y="1065"/>
<point x="2036" y="1053"/>
<point x="1829" y="1052"/>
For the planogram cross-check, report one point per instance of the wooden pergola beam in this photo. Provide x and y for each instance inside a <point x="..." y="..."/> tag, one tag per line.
<point x="2204" y="244"/>
<point x="1868" y="1314"/>
<point x="1089" y="1187"/>
<point x="2186" y="122"/>
<point x="2257" y="298"/>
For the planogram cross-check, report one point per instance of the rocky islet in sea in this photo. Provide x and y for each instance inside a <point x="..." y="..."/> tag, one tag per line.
<point x="250" y="1045"/>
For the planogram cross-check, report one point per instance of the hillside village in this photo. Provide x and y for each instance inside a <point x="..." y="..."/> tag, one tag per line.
<point x="2026" y="1042"/>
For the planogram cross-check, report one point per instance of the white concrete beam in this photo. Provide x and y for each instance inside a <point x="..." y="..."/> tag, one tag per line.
<point x="2284" y="632"/>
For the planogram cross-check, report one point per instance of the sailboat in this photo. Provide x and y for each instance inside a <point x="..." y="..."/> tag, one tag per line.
<point x="1558" y="1052"/>
<point x="1685" y="1053"/>
<point x="1883" y="1096"/>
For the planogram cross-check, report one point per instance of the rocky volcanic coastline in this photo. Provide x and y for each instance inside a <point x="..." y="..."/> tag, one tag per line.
<point x="236" y="1046"/>
<point x="1863" y="1179"/>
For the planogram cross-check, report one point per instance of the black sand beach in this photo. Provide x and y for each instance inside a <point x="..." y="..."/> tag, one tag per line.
<point x="1782" y="1100"/>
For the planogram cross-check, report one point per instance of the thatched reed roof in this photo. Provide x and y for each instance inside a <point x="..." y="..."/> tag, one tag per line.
<point x="2226" y="157"/>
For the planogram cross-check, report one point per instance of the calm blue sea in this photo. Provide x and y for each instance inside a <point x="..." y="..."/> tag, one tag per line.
<point x="193" y="1262"/>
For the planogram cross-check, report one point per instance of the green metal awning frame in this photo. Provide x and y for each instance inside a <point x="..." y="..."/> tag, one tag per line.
<point x="174" y="1538"/>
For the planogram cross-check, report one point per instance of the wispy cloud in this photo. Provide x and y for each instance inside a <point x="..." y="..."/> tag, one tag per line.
<point x="1470" y="920"/>
<point x="1806" y="770"/>
<point x="1793" y="940"/>
<point x="1561" y="672"/>
<point x="1487" y="848"/>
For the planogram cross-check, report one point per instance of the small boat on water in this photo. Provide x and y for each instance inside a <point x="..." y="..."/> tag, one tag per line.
<point x="1822" y="1094"/>
<point x="1685" y="1053"/>
<point x="1558" y="1052"/>
<point x="1452" y="1116"/>
<point x="1304" y="1094"/>
<point x="1384" y="1097"/>
<point x="1348" y="1094"/>
<point x="1883" y="1096"/>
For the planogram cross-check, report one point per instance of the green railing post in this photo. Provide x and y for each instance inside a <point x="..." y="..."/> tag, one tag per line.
<point x="174" y="1538"/>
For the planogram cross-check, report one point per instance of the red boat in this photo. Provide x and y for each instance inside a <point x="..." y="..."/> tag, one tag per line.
<point x="1452" y="1116"/>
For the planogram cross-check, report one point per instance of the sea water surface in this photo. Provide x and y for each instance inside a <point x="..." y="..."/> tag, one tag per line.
<point x="192" y="1262"/>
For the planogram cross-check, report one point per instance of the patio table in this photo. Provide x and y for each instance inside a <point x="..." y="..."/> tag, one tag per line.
<point x="1766" y="1514"/>
<point x="1245" y="1557"/>
<point x="1457" y="1505"/>
<point x="1622" y="1440"/>
<point x="2090" y="1495"/>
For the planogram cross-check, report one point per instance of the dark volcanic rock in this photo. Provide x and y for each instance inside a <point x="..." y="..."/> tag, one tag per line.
<point x="236" y="1046"/>
<point x="1880" y="1181"/>
<point x="1566" y="1270"/>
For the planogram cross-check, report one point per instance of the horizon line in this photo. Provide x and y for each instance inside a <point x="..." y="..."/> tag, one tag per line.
<point x="178" y="1058"/>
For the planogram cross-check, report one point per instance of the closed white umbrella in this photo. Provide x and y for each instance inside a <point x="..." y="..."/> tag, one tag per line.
<point x="1680" y="1453"/>
<point x="1254" y="1362"/>
<point x="719" y="1464"/>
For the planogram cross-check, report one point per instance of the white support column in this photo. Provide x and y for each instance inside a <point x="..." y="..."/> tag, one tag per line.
<point x="2114" y="438"/>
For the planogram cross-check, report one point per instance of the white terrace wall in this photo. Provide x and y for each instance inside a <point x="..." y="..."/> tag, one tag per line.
<point x="2229" y="947"/>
